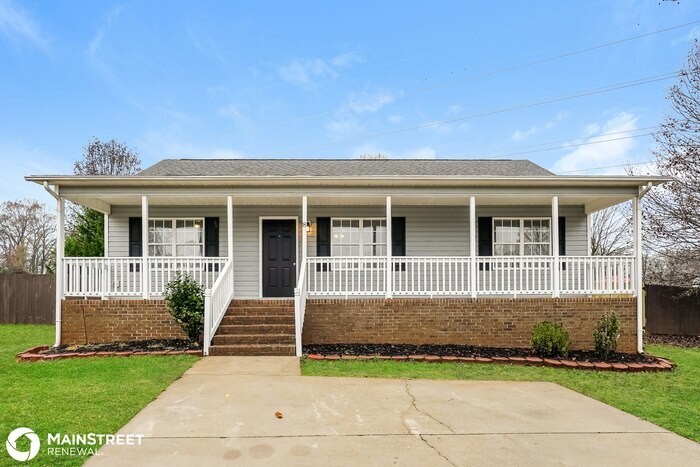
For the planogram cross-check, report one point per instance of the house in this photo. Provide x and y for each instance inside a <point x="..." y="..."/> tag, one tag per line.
<point x="348" y="251"/>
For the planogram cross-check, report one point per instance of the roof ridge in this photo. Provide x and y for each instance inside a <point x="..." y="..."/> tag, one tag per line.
<point x="338" y="159"/>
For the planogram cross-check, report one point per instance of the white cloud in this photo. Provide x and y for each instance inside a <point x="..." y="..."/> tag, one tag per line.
<point x="394" y="119"/>
<point x="18" y="26"/>
<point x="455" y="109"/>
<point x="426" y="152"/>
<point x="607" y="154"/>
<point x="345" y="124"/>
<point x="306" y="72"/>
<point x="368" y="101"/>
<point x="347" y="60"/>
<point x="693" y="34"/>
<point x="230" y="111"/>
<point x="521" y="135"/>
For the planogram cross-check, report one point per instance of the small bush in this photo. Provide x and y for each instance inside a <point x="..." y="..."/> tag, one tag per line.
<point x="606" y="334"/>
<point x="550" y="340"/>
<point x="184" y="298"/>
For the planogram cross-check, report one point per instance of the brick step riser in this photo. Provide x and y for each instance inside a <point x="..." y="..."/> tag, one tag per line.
<point x="261" y="303"/>
<point x="259" y="311"/>
<point x="251" y="350"/>
<point x="254" y="339"/>
<point x="266" y="328"/>
<point x="261" y="320"/>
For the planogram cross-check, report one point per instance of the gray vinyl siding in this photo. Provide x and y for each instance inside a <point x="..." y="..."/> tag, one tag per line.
<point x="430" y="230"/>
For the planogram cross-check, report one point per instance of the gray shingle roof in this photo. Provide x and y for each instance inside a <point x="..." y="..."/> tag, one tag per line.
<point x="343" y="168"/>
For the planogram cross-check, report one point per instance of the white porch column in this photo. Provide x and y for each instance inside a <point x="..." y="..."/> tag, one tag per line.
<point x="229" y="225"/>
<point x="555" y="246"/>
<point x="472" y="245"/>
<point x="60" y="245"/>
<point x="638" y="281"/>
<point x="304" y="230"/>
<point x="106" y="235"/>
<point x="589" y="247"/>
<point x="145" y="276"/>
<point x="389" y="268"/>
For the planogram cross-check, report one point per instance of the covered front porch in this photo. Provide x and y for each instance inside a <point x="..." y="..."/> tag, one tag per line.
<point x="493" y="243"/>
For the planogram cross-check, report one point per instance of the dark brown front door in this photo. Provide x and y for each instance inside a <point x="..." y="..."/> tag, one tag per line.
<point x="279" y="257"/>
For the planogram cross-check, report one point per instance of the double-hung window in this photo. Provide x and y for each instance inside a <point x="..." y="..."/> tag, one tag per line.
<point x="176" y="237"/>
<point x="358" y="237"/>
<point x="521" y="236"/>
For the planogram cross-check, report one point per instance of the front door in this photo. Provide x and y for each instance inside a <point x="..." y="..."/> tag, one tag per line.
<point x="279" y="257"/>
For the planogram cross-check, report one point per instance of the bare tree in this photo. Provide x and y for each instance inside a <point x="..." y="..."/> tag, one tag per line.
<point x="673" y="212"/>
<point x="611" y="231"/>
<point x="27" y="237"/>
<point x="107" y="158"/>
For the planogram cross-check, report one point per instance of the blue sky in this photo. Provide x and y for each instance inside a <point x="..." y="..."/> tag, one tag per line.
<point x="324" y="79"/>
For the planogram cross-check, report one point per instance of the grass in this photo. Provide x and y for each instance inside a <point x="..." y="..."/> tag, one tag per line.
<point x="668" y="399"/>
<point x="92" y="395"/>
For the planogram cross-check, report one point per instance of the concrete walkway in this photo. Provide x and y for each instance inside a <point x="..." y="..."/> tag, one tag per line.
<point x="222" y="411"/>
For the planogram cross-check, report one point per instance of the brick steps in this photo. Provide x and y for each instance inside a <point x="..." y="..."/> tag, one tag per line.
<point x="256" y="327"/>
<point x="252" y="350"/>
<point x="265" y="338"/>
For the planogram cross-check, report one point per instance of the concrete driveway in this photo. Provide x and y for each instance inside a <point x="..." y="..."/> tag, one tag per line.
<point x="222" y="411"/>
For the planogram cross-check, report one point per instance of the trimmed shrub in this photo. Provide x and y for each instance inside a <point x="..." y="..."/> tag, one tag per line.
<point x="550" y="340"/>
<point x="606" y="334"/>
<point x="184" y="298"/>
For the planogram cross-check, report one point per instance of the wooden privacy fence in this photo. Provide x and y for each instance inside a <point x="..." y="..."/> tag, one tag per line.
<point x="27" y="298"/>
<point x="670" y="310"/>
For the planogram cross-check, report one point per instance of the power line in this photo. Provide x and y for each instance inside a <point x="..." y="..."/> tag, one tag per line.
<point x="609" y="88"/>
<point x="561" y="141"/>
<point x="606" y="167"/>
<point x="451" y="82"/>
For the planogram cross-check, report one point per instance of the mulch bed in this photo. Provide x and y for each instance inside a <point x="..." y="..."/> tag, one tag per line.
<point x="471" y="354"/>
<point x="116" y="349"/>
<point x="668" y="339"/>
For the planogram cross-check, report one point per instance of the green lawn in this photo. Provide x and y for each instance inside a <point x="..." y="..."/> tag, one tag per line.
<point x="669" y="399"/>
<point x="92" y="395"/>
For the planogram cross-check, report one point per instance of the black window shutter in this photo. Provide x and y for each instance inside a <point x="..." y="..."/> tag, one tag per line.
<point x="211" y="236"/>
<point x="398" y="240"/>
<point x="323" y="236"/>
<point x="135" y="238"/>
<point x="485" y="236"/>
<point x="562" y="236"/>
<point x="323" y="239"/>
<point x="398" y="236"/>
<point x="562" y="240"/>
<point x="485" y="241"/>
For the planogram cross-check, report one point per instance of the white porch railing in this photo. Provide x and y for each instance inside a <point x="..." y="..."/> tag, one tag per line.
<point x="216" y="302"/>
<point x="346" y="275"/>
<point x="121" y="276"/>
<point x="431" y="275"/>
<point x="300" y="294"/>
<point x="451" y="276"/>
<point x="597" y="274"/>
<point x="514" y="275"/>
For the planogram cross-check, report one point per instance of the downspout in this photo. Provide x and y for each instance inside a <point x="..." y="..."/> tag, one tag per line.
<point x="638" y="265"/>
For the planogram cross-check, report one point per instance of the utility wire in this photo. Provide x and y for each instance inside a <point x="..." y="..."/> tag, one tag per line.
<point x="451" y="82"/>
<point x="604" y="89"/>
<point x="606" y="167"/>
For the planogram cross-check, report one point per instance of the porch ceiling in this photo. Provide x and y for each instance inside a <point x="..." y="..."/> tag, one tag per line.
<point x="591" y="202"/>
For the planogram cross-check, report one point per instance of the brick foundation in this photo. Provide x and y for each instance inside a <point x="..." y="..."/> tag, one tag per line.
<point x="102" y="321"/>
<point x="488" y="322"/>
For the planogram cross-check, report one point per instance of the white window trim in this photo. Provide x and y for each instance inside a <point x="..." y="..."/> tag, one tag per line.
<point x="521" y="222"/>
<point x="361" y="244"/>
<point x="173" y="241"/>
